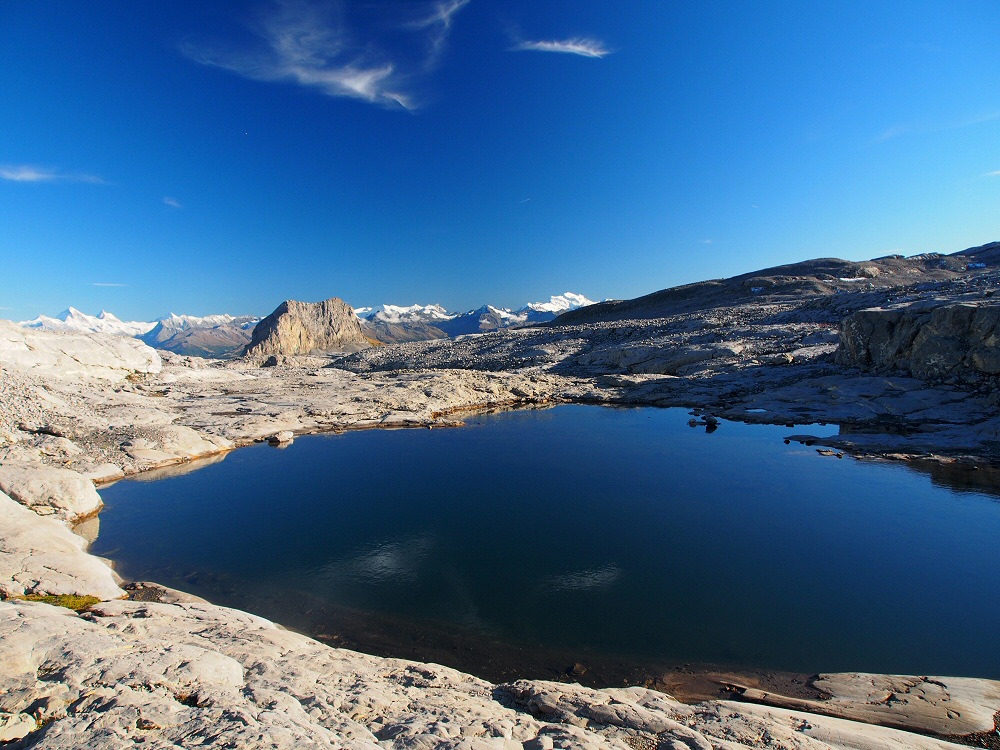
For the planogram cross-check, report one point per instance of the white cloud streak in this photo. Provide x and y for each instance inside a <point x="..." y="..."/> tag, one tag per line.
<point x="576" y="46"/>
<point x="28" y="173"/>
<point x="172" y="202"/>
<point x="106" y="283"/>
<point x="995" y="173"/>
<point x="315" y="48"/>
<point x="940" y="127"/>
<point x="438" y="22"/>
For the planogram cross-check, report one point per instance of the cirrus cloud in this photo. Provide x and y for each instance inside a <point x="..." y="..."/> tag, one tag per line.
<point x="327" y="49"/>
<point x="576" y="46"/>
<point x="30" y="173"/>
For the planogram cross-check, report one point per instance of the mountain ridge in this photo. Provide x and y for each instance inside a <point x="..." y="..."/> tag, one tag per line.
<point x="395" y="324"/>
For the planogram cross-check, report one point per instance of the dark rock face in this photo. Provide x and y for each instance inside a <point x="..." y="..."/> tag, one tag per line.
<point x="931" y="342"/>
<point x="401" y="332"/>
<point x="294" y="327"/>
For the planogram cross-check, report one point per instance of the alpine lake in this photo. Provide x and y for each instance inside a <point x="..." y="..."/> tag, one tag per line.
<point x="581" y="542"/>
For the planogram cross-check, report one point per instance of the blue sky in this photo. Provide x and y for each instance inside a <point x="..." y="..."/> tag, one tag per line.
<point x="203" y="157"/>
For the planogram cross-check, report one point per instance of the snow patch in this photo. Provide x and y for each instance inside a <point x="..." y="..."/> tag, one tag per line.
<point x="560" y="303"/>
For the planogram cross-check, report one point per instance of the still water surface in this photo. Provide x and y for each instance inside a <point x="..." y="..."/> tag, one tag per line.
<point x="585" y="532"/>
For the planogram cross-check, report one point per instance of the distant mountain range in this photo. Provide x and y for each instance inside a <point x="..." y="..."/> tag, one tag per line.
<point x="72" y="319"/>
<point x="393" y="324"/>
<point x="208" y="336"/>
<point x="227" y="335"/>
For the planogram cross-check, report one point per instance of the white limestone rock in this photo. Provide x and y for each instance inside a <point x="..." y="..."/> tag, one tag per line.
<point x="16" y="726"/>
<point x="104" y="472"/>
<point x="965" y="704"/>
<point x="190" y="674"/>
<point x="173" y="443"/>
<point x="75" y="356"/>
<point x="48" y="491"/>
<point x="42" y="556"/>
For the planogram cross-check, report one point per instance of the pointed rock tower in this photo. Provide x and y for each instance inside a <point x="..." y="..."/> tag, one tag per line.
<point x="325" y="327"/>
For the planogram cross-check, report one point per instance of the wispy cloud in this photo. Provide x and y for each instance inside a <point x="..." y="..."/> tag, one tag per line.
<point x="995" y="173"/>
<point x="438" y="24"/>
<point x="172" y="202"/>
<point x="28" y="173"/>
<point x="318" y="48"/>
<point x="106" y="283"/>
<point x="913" y="128"/>
<point x="576" y="46"/>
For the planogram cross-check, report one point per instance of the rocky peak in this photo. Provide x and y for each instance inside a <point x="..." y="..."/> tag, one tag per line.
<point x="307" y="328"/>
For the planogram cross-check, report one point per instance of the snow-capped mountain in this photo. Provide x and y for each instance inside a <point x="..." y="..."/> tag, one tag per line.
<point x="559" y="303"/>
<point x="183" y="322"/>
<point x="226" y="335"/>
<point x="72" y="319"/>
<point x="398" y="314"/>
<point x="392" y="323"/>
<point x="209" y="336"/>
<point x="190" y="335"/>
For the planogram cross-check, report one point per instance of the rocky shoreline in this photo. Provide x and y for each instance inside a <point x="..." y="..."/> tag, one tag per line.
<point x="76" y="410"/>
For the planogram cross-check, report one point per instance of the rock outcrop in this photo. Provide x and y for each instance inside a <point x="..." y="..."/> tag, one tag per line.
<point x="295" y="327"/>
<point x="930" y="340"/>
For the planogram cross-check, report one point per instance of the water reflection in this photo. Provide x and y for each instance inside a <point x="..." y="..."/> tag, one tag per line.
<point x="396" y="561"/>
<point x="591" y="579"/>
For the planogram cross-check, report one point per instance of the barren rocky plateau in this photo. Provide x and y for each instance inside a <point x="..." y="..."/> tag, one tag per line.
<point x="891" y="359"/>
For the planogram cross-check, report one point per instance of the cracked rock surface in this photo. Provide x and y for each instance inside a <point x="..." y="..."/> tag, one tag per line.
<point x="193" y="674"/>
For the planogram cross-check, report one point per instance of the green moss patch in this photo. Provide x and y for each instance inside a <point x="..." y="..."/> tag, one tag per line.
<point x="70" y="601"/>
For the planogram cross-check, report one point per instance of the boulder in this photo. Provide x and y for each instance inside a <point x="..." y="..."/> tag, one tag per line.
<point x="308" y="327"/>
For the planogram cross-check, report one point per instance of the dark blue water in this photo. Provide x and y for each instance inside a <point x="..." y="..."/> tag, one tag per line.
<point x="583" y="530"/>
